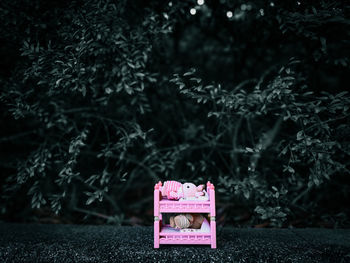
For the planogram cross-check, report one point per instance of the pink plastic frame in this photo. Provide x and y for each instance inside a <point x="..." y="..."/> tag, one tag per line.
<point x="173" y="206"/>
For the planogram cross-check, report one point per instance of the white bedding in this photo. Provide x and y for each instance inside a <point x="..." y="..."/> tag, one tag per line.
<point x="204" y="197"/>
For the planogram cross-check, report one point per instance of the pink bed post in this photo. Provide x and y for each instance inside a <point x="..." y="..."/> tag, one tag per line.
<point x="211" y="189"/>
<point x="208" y="187"/>
<point x="156" y="215"/>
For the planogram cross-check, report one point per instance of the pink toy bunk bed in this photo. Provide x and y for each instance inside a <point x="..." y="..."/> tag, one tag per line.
<point x="165" y="234"/>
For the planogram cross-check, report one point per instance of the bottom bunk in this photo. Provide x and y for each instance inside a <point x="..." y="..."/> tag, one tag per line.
<point x="172" y="236"/>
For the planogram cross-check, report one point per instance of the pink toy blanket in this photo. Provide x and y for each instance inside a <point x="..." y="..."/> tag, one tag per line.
<point x="171" y="190"/>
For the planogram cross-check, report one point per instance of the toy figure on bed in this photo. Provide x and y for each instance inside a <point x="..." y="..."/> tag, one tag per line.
<point x="183" y="221"/>
<point x="176" y="190"/>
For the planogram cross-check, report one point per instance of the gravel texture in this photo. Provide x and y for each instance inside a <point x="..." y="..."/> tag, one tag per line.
<point x="78" y="243"/>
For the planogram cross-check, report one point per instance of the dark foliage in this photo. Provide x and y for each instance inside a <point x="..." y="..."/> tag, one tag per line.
<point x="101" y="99"/>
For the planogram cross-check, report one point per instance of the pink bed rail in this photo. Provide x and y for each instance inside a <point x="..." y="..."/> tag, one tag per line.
<point x="164" y="234"/>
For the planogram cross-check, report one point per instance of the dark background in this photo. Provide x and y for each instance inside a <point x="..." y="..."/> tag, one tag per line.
<point x="102" y="99"/>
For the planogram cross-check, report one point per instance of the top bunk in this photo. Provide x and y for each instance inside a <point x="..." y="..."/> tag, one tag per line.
<point x="204" y="204"/>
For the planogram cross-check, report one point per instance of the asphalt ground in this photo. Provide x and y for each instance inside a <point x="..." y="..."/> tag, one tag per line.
<point x="81" y="243"/>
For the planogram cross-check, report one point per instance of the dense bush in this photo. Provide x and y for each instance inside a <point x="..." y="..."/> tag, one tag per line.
<point x="100" y="99"/>
<point x="279" y="140"/>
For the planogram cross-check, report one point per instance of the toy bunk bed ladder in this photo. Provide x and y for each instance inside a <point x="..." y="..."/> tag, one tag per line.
<point x="211" y="192"/>
<point x="157" y="215"/>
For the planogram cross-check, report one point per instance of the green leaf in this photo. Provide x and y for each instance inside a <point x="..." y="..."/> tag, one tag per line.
<point x="249" y="149"/>
<point x="300" y="135"/>
<point x="90" y="200"/>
